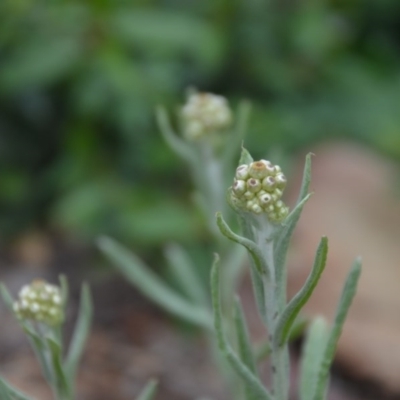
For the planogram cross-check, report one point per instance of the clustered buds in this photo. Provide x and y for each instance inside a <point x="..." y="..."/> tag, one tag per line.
<point x="258" y="188"/>
<point x="205" y="113"/>
<point x="41" y="302"/>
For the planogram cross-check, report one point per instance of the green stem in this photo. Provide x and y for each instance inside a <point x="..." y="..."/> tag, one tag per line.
<point x="274" y="291"/>
<point x="213" y="186"/>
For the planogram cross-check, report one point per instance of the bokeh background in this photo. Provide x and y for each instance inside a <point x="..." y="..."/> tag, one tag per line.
<point x="80" y="153"/>
<point x="79" y="82"/>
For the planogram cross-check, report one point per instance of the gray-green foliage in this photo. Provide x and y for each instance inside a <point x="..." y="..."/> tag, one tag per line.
<point x="269" y="282"/>
<point x="47" y="344"/>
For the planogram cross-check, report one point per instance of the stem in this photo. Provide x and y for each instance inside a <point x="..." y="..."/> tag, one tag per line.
<point x="213" y="186"/>
<point x="274" y="291"/>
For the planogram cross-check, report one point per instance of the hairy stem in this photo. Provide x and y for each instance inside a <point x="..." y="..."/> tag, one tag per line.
<point x="274" y="291"/>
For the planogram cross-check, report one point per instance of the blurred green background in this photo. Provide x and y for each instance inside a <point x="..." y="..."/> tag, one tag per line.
<point x="79" y="80"/>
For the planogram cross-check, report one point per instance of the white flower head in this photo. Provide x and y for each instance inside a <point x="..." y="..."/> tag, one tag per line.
<point x="41" y="302"/>
<point x="265" y="183"/>
<point x="205" y="114"/>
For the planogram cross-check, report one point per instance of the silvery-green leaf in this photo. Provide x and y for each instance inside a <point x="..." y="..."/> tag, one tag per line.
<point x="81" y="332"/>
<point x="136" y="272"/>
<point x="348" y="293"/>
<point x="184" y="271"/>
<point x="149" y="391"/>
<point x="312" y="354"/>
<point x="292" y="310"/>
<point x="233" y="359"/>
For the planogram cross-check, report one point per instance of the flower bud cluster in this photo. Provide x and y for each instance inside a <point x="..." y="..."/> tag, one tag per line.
<point x="41" y="302"/>
<point x="205" y="113"/>
<point x="258" y="188"/>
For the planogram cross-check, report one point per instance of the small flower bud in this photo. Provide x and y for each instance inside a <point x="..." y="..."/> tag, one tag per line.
<point x="258" y="188"/>
<point x="258" y="170"/>
<point x="239" y="187"/>
<point x="242" y="171"/>
<point x="280" y="180"/>
<point x="41" y="302"/>
<point x="249" y="195"/>
<point x="253" y="185"/>
<point x="269" y="183"/>
<point x="205" y="113"/>
<point x="265" y="199"/>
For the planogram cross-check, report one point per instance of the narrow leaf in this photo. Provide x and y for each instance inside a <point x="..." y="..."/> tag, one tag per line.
<point x="64" y="289"/>
<point x="252" y="248"/>
<point x="245" y="157"/>
<point x="287" y="229"/>
<point x="81" y="332"/>
<point x="136" y="272"/>
<point x="8" y="392"/>
<point x="263" y="350"/>
<point x="181" y="148"/>
<point x="237" y="365"/>
<point x="7" y="298"/>
<point x="311" y="360"/>
<point x="149" y="391"/>
<point x="184" y="271"/>
<point x="235" y="261"/>
<point x="305" y="184"/>
<point x="292" y="310"/>
<point x="256" y="280"/>
<point x="348" y="293"/>
<point x="244" y="343"/>
<point x="4" y="392"/>
<point x="61" y="382"/>
<point x="285" y="233"/>
<point x="39" y="348"/>
<point x="245" y="347"/>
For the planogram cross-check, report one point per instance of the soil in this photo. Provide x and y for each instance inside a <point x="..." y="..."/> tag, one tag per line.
<point x="131" y="341"/>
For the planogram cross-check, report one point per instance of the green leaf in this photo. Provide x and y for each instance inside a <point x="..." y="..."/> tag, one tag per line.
<point x="184" y="271"/>
<point x="259" y="293"/>
<point x="64" y="289"/>
<point x="252" y="248"/>
<point x="311" y="360"/>
<point x="348" y="293"/>
<point x="241" y="369"/>
<point x="235" y="262"/>
<point x="263" y="350"/>
<point x="81" y="332"/>
<point x="282" y="241"/>
<point x="8" y="392"/>
<point x="7" y="298"/>
<point x="289" y="224"/>
<point x="245" y="157"/>
<point x="256" y="280"/>
<point x="245" y="347"/>
<point x="180" y="147"/>
<point x="149" y="391"/>
<point x="292" y="310"/>
<point x="4" y="392"/>
<point x="136" y="272"/>
<point x="60" y="383"/>
<point x="40" y="349"/>
<point x="305" y="184"/>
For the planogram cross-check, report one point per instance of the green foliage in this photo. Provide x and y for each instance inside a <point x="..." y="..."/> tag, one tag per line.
<point x="261" y="236"/>
<point x="78" y="82"/>
<point x="47" y="344"/>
